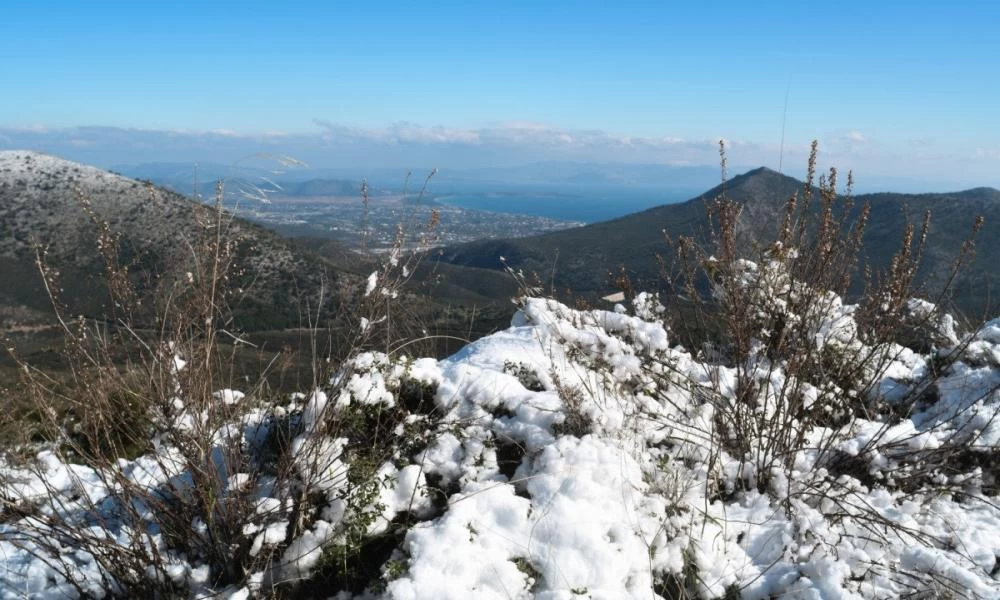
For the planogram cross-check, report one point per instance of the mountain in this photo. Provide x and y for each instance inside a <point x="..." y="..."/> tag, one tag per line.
<point x="183" y="177"/>
<point x="42" y="200"/>
<point x="271" y="174"/>
<point x="42" y="204"/>
<point x="185" y="171"/>
<point x="582" y="258"/>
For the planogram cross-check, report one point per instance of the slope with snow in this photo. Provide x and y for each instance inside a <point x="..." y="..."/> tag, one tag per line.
<point x="580" y="457"/>
<point x="58" y="208"/>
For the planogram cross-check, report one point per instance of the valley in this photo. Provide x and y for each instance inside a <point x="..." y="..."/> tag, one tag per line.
<point x="349" y="220"/>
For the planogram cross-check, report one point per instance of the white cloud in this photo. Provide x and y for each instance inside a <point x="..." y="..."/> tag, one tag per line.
<point x="850" y="140"/>
<point x="225" y="133"/>
<point x="402" y="144"/>
<point x="508" y="133"/>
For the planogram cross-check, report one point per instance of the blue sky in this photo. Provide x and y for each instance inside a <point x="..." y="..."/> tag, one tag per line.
<point x="894" y="89"/>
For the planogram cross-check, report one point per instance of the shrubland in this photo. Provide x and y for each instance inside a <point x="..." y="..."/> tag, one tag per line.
<point x="761" y="434"/>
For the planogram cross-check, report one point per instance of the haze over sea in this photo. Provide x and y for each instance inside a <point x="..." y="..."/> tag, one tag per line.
<point x="568" y="202"/>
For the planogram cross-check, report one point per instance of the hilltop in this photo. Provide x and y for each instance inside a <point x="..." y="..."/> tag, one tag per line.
<point x="581" y="258"/>
<point x="44" y="203"/>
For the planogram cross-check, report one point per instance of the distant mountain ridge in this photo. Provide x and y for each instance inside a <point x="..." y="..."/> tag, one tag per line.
<point x="546" y="172"/>
<point x="184" y="178"/>
<point x="554" y="172"/>
<point x="582" y="258"/>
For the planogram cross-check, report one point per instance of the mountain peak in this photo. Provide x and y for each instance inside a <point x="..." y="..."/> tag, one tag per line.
<point x="40" y="202"/>
<point x="21" y="163"/>
<point x="766" y="173"/>
<point x="757" y="185"/>
<point x="761" y="171"/>
<point x="990" y="193"/>
<point x="30" y="156"/>
<point x="767" y="177"/>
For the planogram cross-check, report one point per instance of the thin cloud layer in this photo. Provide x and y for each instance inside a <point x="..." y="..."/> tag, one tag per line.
<point x="508" y="134"/>
<point x="407" y="145"/>
<point x="401" y="144"/>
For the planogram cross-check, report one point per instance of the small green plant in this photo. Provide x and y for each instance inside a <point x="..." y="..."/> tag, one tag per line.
<point x="532" y="574"/>
<point x="525" y="375"/>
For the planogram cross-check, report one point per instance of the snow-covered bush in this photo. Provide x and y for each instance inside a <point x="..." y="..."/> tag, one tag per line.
<point x="153" y="478"/>
<point x="800" y="450"/>
<point x="483" y="492"/>
<point x="798" y="355"/>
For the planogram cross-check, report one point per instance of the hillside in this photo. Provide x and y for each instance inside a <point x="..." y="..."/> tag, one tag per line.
<point x="581" y="258"/>
<point x="578" y="454"/>
<point x="42" y="203"/>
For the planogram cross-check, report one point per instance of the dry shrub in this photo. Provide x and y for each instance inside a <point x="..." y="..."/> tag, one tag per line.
<point x="779" y="315"/>
<point x="160" y="391"/>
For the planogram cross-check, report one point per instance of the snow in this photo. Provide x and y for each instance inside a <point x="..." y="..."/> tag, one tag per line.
<point x="15" y="163"/>
<point x="229" y="397"/>
<point x="598" y="509"/>
<point x="577" y="454"/>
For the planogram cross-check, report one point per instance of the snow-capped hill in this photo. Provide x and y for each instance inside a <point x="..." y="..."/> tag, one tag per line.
<point x="576" y="454"/>
<point x="19" y="163"/>
<point x="60" y="206"/>
<point x="44" y="200"/>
